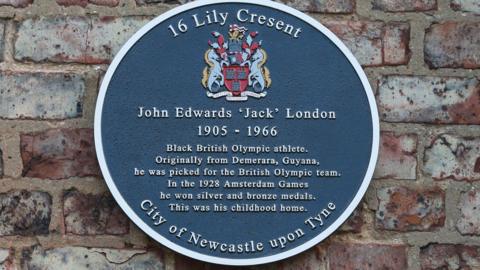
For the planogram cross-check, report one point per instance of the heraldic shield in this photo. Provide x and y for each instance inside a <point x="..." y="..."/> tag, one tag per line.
<point x="236" y="78"/>
<point x="236" y="67"/>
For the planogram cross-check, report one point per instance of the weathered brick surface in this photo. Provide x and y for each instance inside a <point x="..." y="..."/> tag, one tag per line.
<point x="453" y="45"/>
<point x="469" y="207"/>
<point x="58" y="154"/>
<point x="87" y="214"/>
<point x="445" y="256"/>
<point x="41" y="95"/>
<point x="108" y="35"/>
<point x="74" y="39"/>
<point x="397" y="156"/>
<point x="7" y="259"/>
<point x="374" y="43"/>
<point x="323" y="6"/>
<point x="314" y="258"/>
<point x="42" y="136"/>
<point x="84" y="3"/>
<point x="90" y="258"/>
<point x="146" y="2"/>
<point x="367" y="256"/>
<point x="1" y="163"/>
<point x="24" y="212"/>
<point x="425" y="99"/>
<point x="57" y="39"/>
<point x="453" y="157"/>
<point x="405" y="209"/>
<point x="2" y="38"/>
<point x="314" y="6"/>
<point x="364" y="39"/>
<point x="16" y="3"/>
<point x="396" y="40"/>
<point x="404" y="5"/>
<point x="355" y="222"/>
<point x="185" y="263"/>
<point x="466" y="5"/>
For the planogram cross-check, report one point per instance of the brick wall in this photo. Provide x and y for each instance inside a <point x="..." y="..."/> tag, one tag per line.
<point x="422" y="211"/>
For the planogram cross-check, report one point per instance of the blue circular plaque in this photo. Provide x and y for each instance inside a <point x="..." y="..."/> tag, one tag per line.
<point x="236" y="132"/>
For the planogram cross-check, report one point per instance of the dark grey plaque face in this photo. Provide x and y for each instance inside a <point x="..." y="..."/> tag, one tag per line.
<point x="236" y="132"/>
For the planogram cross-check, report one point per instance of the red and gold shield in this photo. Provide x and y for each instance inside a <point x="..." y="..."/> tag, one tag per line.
<point x="236" y="78"/>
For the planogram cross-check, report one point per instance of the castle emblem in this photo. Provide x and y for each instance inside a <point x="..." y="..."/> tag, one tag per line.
<point x="236" y="67"/>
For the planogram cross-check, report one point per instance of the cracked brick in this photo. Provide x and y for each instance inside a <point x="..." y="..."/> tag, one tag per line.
<point x="69" y="257"/>
<point x="397" y="156"/>
<point x="453" y="157"/>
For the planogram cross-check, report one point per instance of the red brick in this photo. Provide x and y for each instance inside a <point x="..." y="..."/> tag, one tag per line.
<point x="313" y="6"/>
<point x="355" y="222"/>
<point x="395" y="44"/>
<point x="453" y="157"/>
<point x="397" y="156"/>
<point x="453" y="45"/>
<point x="84" y="3"/>
<point x="405" y="209"/>
<point x="367" y="257"/>
<point x="426" y="99"/>
<point x="314" y="258"/>
<point x="89" y="40"/>
<point x="186" y="263"/>
<point x="448" y="256"/>
<point x="69" y="257"/>
<point x="404" y="5"/>
<point x="58" y="154"/>
<point x="322" y="6"/>
<point x="24" y="212"/>
<point x="146" y="2"/>
<point x="374" y="43"/>
<point x="88" y="214"/>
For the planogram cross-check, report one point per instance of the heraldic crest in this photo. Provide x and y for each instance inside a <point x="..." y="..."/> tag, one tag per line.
<point x="236" y="67"/>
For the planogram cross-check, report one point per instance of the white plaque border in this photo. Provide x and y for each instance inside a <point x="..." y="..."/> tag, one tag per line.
<point x="213" y="259"/>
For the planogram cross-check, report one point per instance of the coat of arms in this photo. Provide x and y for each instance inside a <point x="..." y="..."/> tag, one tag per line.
<point x="236" y="67"/>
